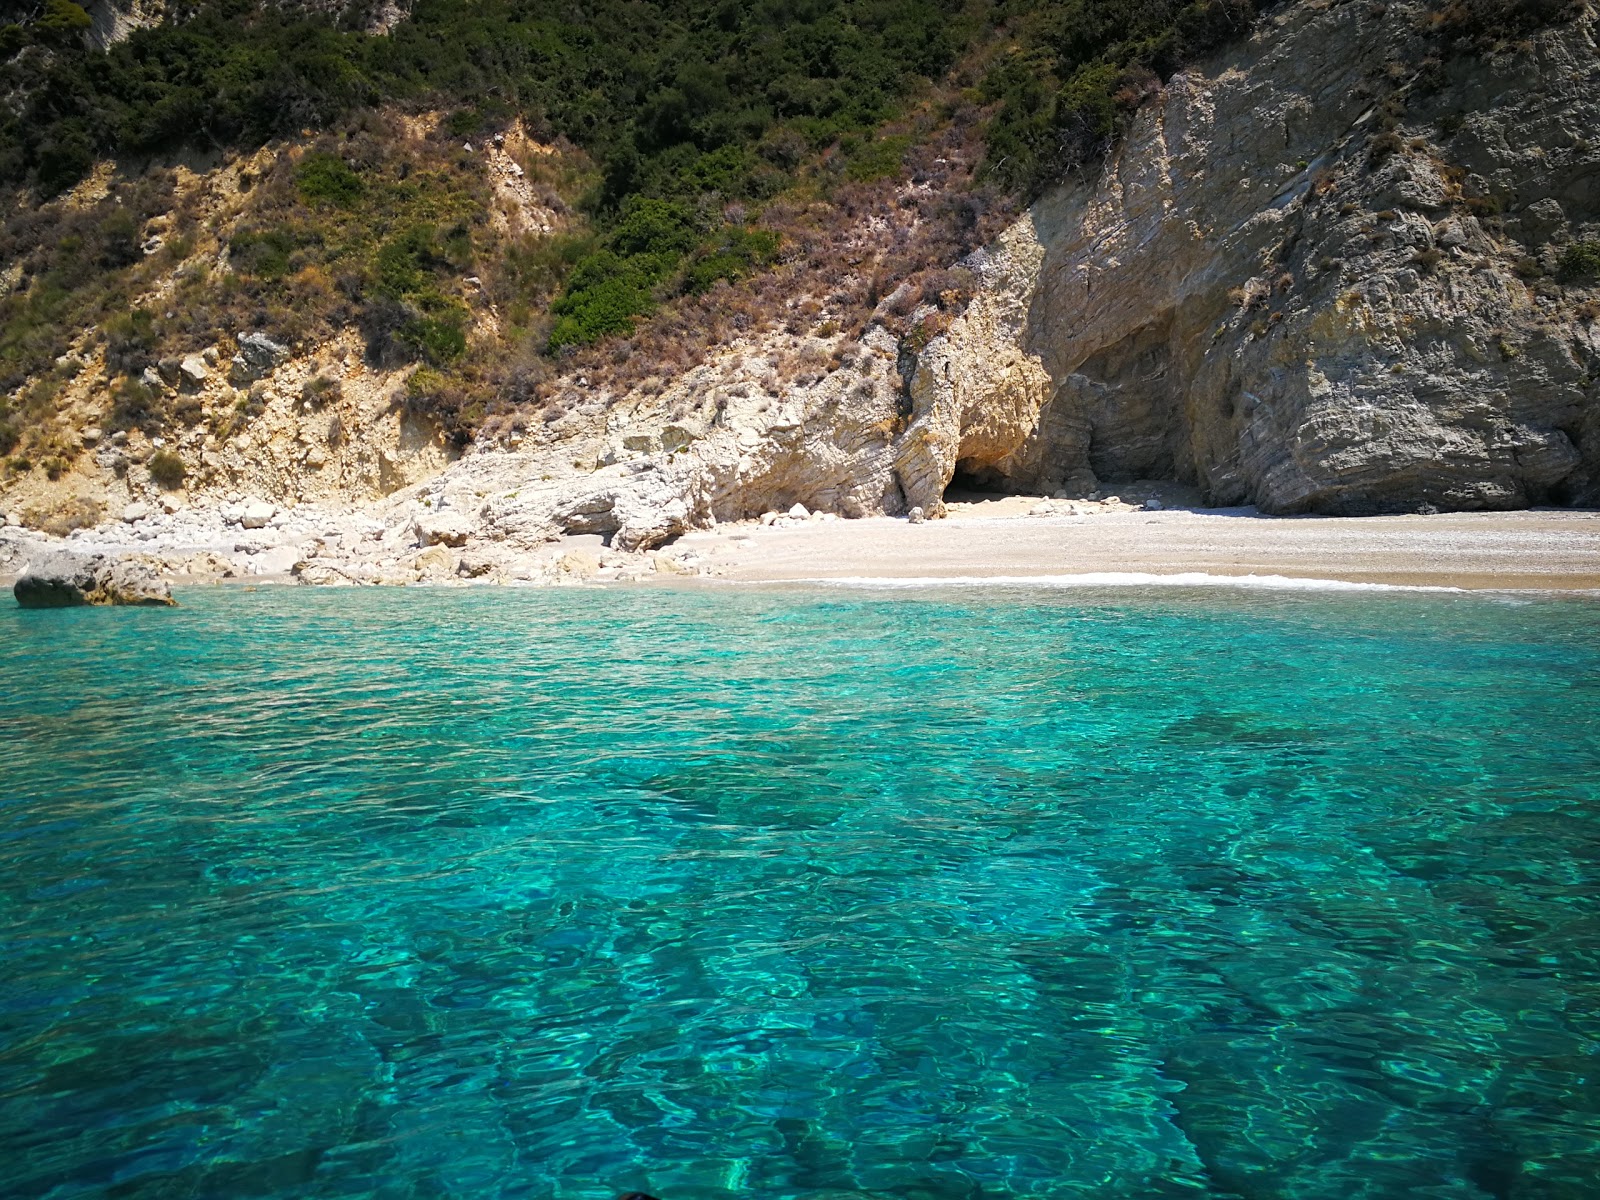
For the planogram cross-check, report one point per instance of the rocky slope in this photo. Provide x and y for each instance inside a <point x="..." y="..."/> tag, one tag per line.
<point x="1320" y="274"/>
<point x="1317" y="276"/>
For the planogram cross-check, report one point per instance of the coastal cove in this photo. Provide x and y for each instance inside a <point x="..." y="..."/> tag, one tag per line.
<point x="991" y="891"/>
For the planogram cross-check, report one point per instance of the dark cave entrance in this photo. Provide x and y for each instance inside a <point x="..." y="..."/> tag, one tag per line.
<point x="972" y="482"/>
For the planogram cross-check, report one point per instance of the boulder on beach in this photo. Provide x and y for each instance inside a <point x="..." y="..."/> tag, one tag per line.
<point x="442" y="529"/>
<point x="62" y="579"/>
<point x="258" y="514"/>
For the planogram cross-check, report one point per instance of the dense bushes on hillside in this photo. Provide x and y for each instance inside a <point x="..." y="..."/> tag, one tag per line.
<point x="653" y="89"/>
<point x="689" y="105"/>
<point x="1075" y="68"/>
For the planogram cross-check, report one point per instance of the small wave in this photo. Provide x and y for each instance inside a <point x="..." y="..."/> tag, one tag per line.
<point x="1115" y="579"/>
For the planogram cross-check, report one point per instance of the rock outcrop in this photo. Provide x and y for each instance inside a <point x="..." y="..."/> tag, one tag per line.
<point x="1316" y="277"/>
<point x="258" y="355"/>
<point x="61" y="579"/>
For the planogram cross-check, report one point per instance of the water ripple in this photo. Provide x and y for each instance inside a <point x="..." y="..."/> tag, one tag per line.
<point x="931" y="893"/>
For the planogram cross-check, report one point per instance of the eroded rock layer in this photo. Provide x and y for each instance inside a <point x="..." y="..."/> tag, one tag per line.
<point x="1322" y="274"/>
<point x="1319" y="276"/>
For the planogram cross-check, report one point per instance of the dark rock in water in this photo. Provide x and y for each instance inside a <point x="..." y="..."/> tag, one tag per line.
<point x="62" y="579"/>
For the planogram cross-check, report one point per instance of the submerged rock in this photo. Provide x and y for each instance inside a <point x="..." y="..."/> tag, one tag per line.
<point x="61" y="579"/>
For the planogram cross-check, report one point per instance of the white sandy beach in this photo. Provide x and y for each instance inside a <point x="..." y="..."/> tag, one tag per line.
<point x="1000" y="538"/>
<point x="1541" y="549"/>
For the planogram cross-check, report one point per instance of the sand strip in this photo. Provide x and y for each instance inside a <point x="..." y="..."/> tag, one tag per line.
<point x="1539" y="549"/>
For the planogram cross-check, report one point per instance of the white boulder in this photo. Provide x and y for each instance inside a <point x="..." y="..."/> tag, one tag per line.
<point x="257" y="515"/>
<point x="193" y="371"/>
<point x="443" y="529"/>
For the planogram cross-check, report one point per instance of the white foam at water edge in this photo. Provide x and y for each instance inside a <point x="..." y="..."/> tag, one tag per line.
<point x="1111" y="579"/>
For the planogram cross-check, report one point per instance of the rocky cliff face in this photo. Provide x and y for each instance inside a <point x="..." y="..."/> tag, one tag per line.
<point x="1322" y="273"/>
<point x="1316" y="277"/>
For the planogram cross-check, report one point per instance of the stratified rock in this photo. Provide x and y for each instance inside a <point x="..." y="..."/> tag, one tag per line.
<point x="62" y="579"/>
<point x="321" y="574"/>
<point x="640" y="508"/>
<point x="1260" y="296"/>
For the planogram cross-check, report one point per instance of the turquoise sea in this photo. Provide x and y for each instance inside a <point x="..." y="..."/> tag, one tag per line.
<point x="921" y="894"/>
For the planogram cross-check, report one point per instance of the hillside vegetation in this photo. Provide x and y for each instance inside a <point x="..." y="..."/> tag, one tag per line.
<point x="713" y="163"/>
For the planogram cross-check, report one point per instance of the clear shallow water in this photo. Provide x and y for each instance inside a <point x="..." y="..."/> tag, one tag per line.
<point x="801" y="893"/>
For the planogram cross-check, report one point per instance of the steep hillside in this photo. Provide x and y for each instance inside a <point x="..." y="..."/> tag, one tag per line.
<point x="1346" y="265"/>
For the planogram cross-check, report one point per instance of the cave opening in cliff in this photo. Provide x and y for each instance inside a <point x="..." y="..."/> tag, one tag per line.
<point x="974" y="482"/>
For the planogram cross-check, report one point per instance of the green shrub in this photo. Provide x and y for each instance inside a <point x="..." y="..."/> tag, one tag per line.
<point x="660" y="229"/>
<point x="130" y="340"/>
<point x="407" y="262"/>
<point x="63" y="18"/>
<point x="13" y="39"/>
<point x="453" y="403"/>
<point x="323" y="177"/>
<point x="734" y="254"/>
<point x="1581" y="260"/>
<point x="437" y="337"/>
<point x="880" y="159"/>
<point x="135" y="404"/>
<point x="610" y="288"/>
<point x="65" y="157"/>
<point x="262" y="253"/>
<point x="167" y="469"/>
<point x="604" y="295"/>
<point x="1077" y="67"/>
<point x="119" y="240"/>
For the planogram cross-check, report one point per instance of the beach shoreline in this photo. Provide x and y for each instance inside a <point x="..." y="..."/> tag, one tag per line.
<point x="1538" y="550"/>
<point x="1013" y="539"/>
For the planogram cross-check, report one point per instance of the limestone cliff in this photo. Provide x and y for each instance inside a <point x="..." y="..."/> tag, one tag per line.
<point x="1316" y="277"/>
